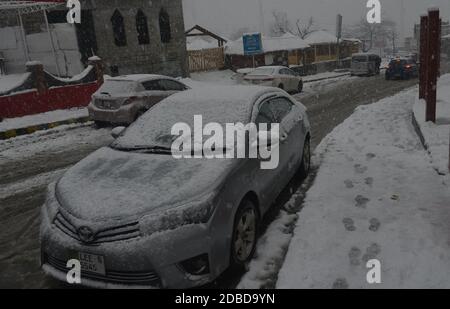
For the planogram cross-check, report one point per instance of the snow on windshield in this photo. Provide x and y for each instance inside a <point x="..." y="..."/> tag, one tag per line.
<point x="228" y="104"/>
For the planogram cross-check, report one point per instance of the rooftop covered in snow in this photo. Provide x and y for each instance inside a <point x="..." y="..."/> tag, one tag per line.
<point x="320" y="37"/>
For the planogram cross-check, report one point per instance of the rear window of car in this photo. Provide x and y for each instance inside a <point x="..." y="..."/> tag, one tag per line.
<point x="118" y="87"/>
<point x="263" y="71"/>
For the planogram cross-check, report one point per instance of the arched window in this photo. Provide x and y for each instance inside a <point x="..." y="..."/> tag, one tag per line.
<point x="142" y="28"/>
<point x="164" y="26"/>
<point x="120" y="36"/>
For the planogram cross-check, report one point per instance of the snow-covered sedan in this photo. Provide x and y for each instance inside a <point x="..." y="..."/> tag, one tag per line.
<point x="134" y="215"/>
<point x="276" y="76"/>
<point x="123" y="99"/>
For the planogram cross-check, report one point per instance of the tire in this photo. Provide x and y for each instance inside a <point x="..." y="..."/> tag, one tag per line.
<point x="305" y="167"/>
<point x="300" y="87"/>
<point x="243" y="245"/>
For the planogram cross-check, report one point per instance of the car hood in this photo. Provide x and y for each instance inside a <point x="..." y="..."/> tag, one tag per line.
<point x="110" y="184"/>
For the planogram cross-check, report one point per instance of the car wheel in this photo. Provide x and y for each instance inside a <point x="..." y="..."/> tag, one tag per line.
<point x="281" y="86"/>
<point x="306" y="159"/>
<point x="300" y="87"/>
<point x="245" y="231"/>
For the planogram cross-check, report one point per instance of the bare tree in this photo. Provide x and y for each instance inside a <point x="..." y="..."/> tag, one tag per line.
<point x="281" y="24"/>
<point x="304" y="29"/>
<point x="384" y="32"/>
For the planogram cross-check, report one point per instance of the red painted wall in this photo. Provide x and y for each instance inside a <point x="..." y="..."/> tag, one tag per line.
<point x="31" y="103"/>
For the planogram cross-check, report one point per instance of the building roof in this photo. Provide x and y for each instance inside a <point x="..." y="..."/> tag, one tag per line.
<point x="321" y="37"/>
<point x="286" y="42"/>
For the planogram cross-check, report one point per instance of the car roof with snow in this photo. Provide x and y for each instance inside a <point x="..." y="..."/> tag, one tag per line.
<point x="215" y="104"/>
<point x="139" y="77"/>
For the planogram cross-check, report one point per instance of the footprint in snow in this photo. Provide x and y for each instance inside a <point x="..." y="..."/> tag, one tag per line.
<point x="349" y="184"/>
<point x="361" y="201"/>
<point x="374" y="225"/>
<point x="340" y="284"/>
<point x="360" y="169"/>
<point x="369" y="181"/>
<point x="354" y="256"/>
<point x="372" y="252"/>
<point x="349" y="224"/>
<point x="370" y="156"/>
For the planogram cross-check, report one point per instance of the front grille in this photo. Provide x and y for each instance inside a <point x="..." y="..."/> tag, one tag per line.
<point x="140" y="278"/>
<point x="112" y="234"/>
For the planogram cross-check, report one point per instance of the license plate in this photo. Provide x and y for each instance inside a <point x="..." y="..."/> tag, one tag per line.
<point x="92" y="263"/>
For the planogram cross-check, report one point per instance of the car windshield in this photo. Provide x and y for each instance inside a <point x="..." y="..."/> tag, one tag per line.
<point x="263" y="71"/>
<point x="118" y="87"/>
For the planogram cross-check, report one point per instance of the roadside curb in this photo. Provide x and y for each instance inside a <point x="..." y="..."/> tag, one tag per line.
<point x="418" y="130"/>
<point x="4" y="135"/>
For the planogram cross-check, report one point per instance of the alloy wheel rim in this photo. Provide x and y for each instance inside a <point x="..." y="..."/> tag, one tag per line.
<point x="245" y="235"/>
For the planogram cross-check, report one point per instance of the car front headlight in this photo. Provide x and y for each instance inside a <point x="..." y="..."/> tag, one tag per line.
<point x="51" y="203"/>
<point x="195" y="212"/>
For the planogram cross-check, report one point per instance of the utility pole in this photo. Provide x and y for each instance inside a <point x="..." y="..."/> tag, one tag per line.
<point x="402" y="20"/>
<point x="261" y="16"/>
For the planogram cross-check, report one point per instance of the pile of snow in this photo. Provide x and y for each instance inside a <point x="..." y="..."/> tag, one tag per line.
<point x="286" y="42"/>
<point x="437" y="134"/>
<point x="376" y="196"/>
<point x="9" y="82"/>
<point x="44" y="118"/>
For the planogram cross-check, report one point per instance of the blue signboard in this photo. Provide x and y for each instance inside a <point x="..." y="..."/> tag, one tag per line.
<point x="252" y="44"/>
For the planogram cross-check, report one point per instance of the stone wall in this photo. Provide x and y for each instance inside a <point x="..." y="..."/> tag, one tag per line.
<point x="156" y="57"/>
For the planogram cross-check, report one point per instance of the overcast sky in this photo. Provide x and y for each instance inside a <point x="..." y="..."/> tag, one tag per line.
<point x="227" y="16"/>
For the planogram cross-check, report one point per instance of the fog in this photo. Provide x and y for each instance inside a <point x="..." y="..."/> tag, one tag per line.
<point x="228" y="16"/>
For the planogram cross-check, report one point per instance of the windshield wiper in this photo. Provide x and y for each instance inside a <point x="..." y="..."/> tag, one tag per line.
<point x="146" y="149"/>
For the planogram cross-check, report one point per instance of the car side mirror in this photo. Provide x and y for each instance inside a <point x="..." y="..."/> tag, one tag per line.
<point x="117" y="131"/>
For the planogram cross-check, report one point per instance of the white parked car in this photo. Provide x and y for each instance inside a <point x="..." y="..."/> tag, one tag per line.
<point x="123" y="99"/>
<point x="276" y="76"/>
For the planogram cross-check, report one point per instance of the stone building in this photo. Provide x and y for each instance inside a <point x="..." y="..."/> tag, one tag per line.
<point x="133" y="36"/>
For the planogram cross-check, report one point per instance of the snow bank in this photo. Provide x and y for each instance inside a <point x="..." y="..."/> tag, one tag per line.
<point x="49" y="117"/>
<point x="437" y="135"/>
<point x="9" y="82"/>
<point x="376" y="196"/>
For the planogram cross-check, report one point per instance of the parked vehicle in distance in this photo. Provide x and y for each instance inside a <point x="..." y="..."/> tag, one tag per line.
<point x="403" y="68"/>
<point x="365" y="64"/>
<point x="276" y="76"/>
<point x="123" y="99"/>
<point x="139" y="217"/>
